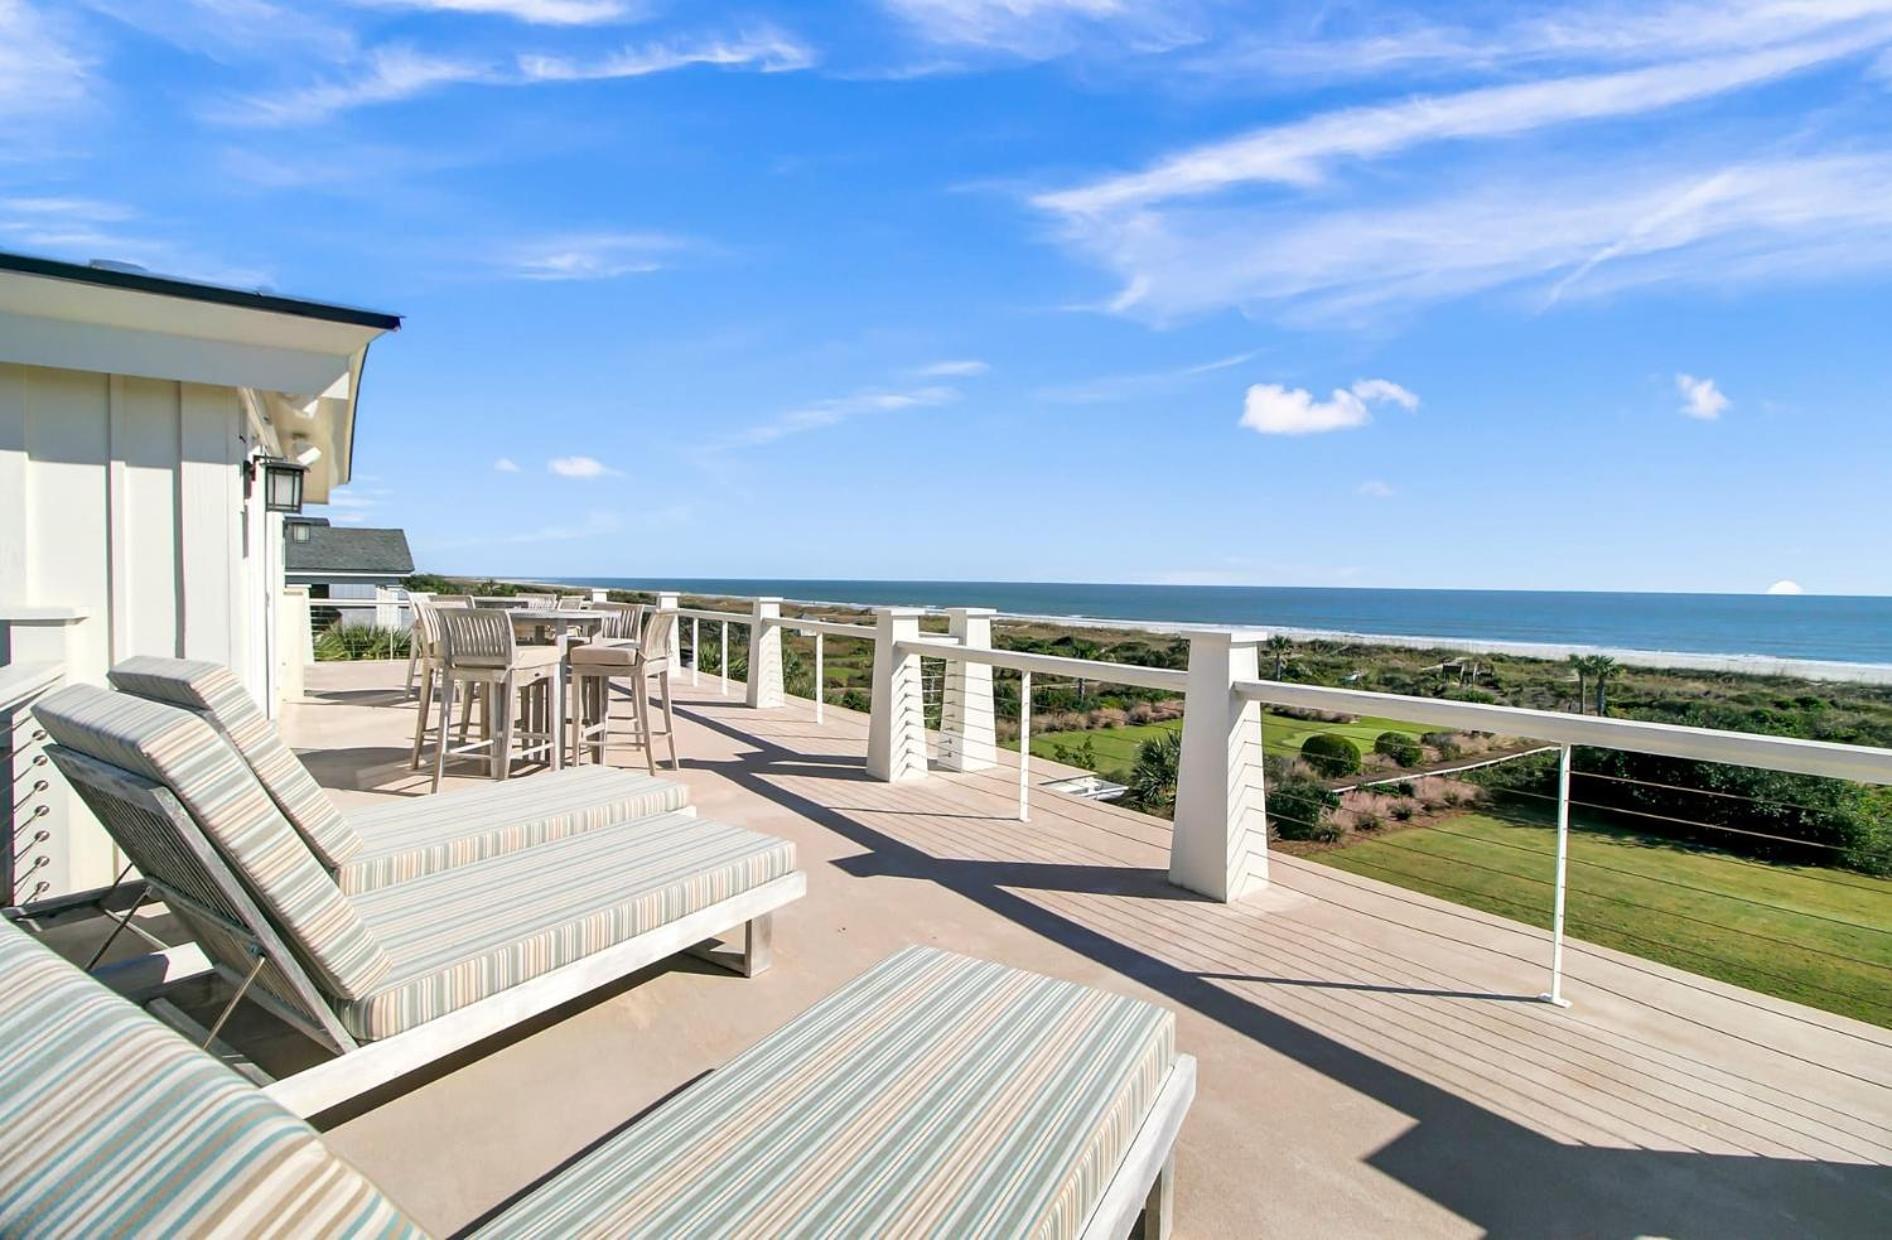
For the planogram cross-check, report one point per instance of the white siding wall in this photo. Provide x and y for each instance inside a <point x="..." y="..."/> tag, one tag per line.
<point x="123" y="497"/>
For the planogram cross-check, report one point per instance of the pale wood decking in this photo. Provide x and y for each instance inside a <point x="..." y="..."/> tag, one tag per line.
<point x="1371" y="1063"/>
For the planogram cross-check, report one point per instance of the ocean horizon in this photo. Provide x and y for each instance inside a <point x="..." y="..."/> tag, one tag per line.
<point x="1806" y="627"/>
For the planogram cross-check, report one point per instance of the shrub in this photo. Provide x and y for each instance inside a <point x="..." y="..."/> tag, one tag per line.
<point x="1300" y="808"/>
<point x="1402" y="812"/>
<point x="1153" y="779"/>
<point x="1307" y="714"/>
<point x="1367" y="820"/>
<point x="1447" y="743"/>
<point x="1404" y="788"/>
<point x="1400" y="747"/>
<point x="1330" y="754"/>
<point x="338" y="643"/>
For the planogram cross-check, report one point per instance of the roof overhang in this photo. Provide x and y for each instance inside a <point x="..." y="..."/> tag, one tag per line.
<point x="298" y="363"/>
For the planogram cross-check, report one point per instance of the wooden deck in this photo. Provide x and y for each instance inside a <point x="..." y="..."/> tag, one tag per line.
<point x="1372" y="1060"/>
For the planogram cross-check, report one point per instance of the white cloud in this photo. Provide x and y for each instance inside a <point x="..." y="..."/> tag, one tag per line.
<point x="1373" y="488"/>
<point x="1371" y="390"/>
<point x="349" y="518"/>
<point x="593" y="256"/>
<point x="1271" y="409"/>
<point x="579" y="467"/>
<point x="1041" y="29"/>
<point x="537" y="12"/>
<point x="964" y="369"/>
<point x="1580" y="229"/>
<point x="1301" y="153"/>
<point x="41" y="71"/>
<point x="87" y="228"/>
<point x="840" y="409"/>
<point x="1700" y="397"/>
<point x="506" y="465"/>
<point x="766" y="50"/>
<point x="394" y="73"/>
<point x="1786" y="586"/>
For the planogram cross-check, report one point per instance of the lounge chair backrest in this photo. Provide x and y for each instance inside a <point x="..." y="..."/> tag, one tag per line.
<point x="213" y="691"/>
<point x="116" y="1126"/>
<point x="178" y="749"/>
<point x="477" y="637"/>
<point x="658" y="626"/>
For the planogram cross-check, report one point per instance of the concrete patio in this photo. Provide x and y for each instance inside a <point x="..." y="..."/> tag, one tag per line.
<point x="1372" y="1061"/>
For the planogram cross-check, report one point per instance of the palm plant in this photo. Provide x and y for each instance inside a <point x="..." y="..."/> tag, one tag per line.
<point x="1580" y="664"/>
<point x="1282" y="649"/>
<point x="1603" y="669"/>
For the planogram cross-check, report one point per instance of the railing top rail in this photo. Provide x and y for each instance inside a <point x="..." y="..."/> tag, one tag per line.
<point x="22" y="682"/>
<point x="699" y="613"/>
<point x="832" y="628"/>
<point x="1050" y="664"/>
<point x="1774" y="753"/>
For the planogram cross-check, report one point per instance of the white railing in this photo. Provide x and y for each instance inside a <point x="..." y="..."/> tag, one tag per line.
<point x="1219" y="845"/>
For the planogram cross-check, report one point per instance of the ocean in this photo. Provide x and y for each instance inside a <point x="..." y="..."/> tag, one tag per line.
<point x="1817" y="628"/>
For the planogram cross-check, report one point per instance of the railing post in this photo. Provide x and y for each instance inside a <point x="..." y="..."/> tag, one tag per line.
<point x="1556" y="993"/>
<point x="1220" y="844"/>
<point x="765" y="652"/>
<point x="295" y="641"/>
<point x="896" y="730"/>
<point x="968" y="736"/>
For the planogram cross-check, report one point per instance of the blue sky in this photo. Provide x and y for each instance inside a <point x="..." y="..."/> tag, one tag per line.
<point x="1584" y="295"/>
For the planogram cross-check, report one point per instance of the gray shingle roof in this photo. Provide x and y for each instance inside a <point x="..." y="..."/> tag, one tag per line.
<point x="338" y="549"/>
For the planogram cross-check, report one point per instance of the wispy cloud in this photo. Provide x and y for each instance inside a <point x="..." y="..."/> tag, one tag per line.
<point x="593" y="256"/>
<point x="766" y="51"/>
<point x="506" y="465"/>
<point x="1110" y="388"/>
<point x="1271" y="409"/>
<point x="1042" y="29"/>
<point x="580" y="467"/>
<point x="1374" y="488"/>
<point x="840" y="409"/>
<point x="394" y="73"/>
<point x="86" y="228"/>
<point x="537" y="12"/>
<point x="42" y="70"/>
<point x="1701" y="398"/>
<point x="1628" y="225"/>
<point x="1302" y="153"/>
<point x="967" y="368"/>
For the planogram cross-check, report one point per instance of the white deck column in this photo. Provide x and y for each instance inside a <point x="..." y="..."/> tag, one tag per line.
<point x="295" y="644"/>
<point x="1220" y="846"/>
<point x="968" y="739"/>
<point x="669" y="600"/>
<point x="896" y="731"/>
<point x="765" y="652"/>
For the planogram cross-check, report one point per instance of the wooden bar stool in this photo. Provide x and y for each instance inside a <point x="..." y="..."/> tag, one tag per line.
<point x="515" y="685"/>
<point x="593" y="666"/>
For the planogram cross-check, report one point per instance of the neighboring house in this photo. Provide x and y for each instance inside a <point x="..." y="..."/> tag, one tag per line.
<point x="344" y="562"/>
<point x="143" y="422"/>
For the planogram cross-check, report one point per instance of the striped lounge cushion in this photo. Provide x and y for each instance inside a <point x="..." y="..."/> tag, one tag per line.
<point x="213" y="691"/>
<point x="179" y="750"/>
<point x="412" y="837"/>
<point x="115" y="1126"/>
<point x="462" y="935"/>
<point x="935" y="1095"/>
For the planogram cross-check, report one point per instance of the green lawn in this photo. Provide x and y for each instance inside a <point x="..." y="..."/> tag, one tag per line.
<point x="1116" y="748"/>
<point x="1817" y="936"/>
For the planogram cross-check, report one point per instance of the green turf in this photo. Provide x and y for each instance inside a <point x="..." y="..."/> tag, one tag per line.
<point x="1116" y="748"/>
<point x="1818" y="936"/>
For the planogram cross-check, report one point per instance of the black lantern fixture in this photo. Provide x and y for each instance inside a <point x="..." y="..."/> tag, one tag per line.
<point x="282" y="484"/>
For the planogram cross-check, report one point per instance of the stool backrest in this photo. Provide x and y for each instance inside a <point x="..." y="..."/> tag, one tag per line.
<point x="453" y="600"/>
<point x="426" y="629"/>
<point x="627" y="619"/>
<point x="573" y="602"/>
<point x="476" y="637"/>
<point x="658" y="626"/>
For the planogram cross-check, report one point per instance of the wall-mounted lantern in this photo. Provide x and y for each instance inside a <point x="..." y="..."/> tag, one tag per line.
<point x="282" y="483"/>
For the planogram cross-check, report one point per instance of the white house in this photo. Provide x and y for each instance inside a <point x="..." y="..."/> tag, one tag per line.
<point x="139" y="419"/>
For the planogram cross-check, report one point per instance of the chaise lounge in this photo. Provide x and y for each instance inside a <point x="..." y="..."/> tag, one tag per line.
<point x="935" y="1094"/>
<point x="393" y="978"/>
<point x="371" y="848"/>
